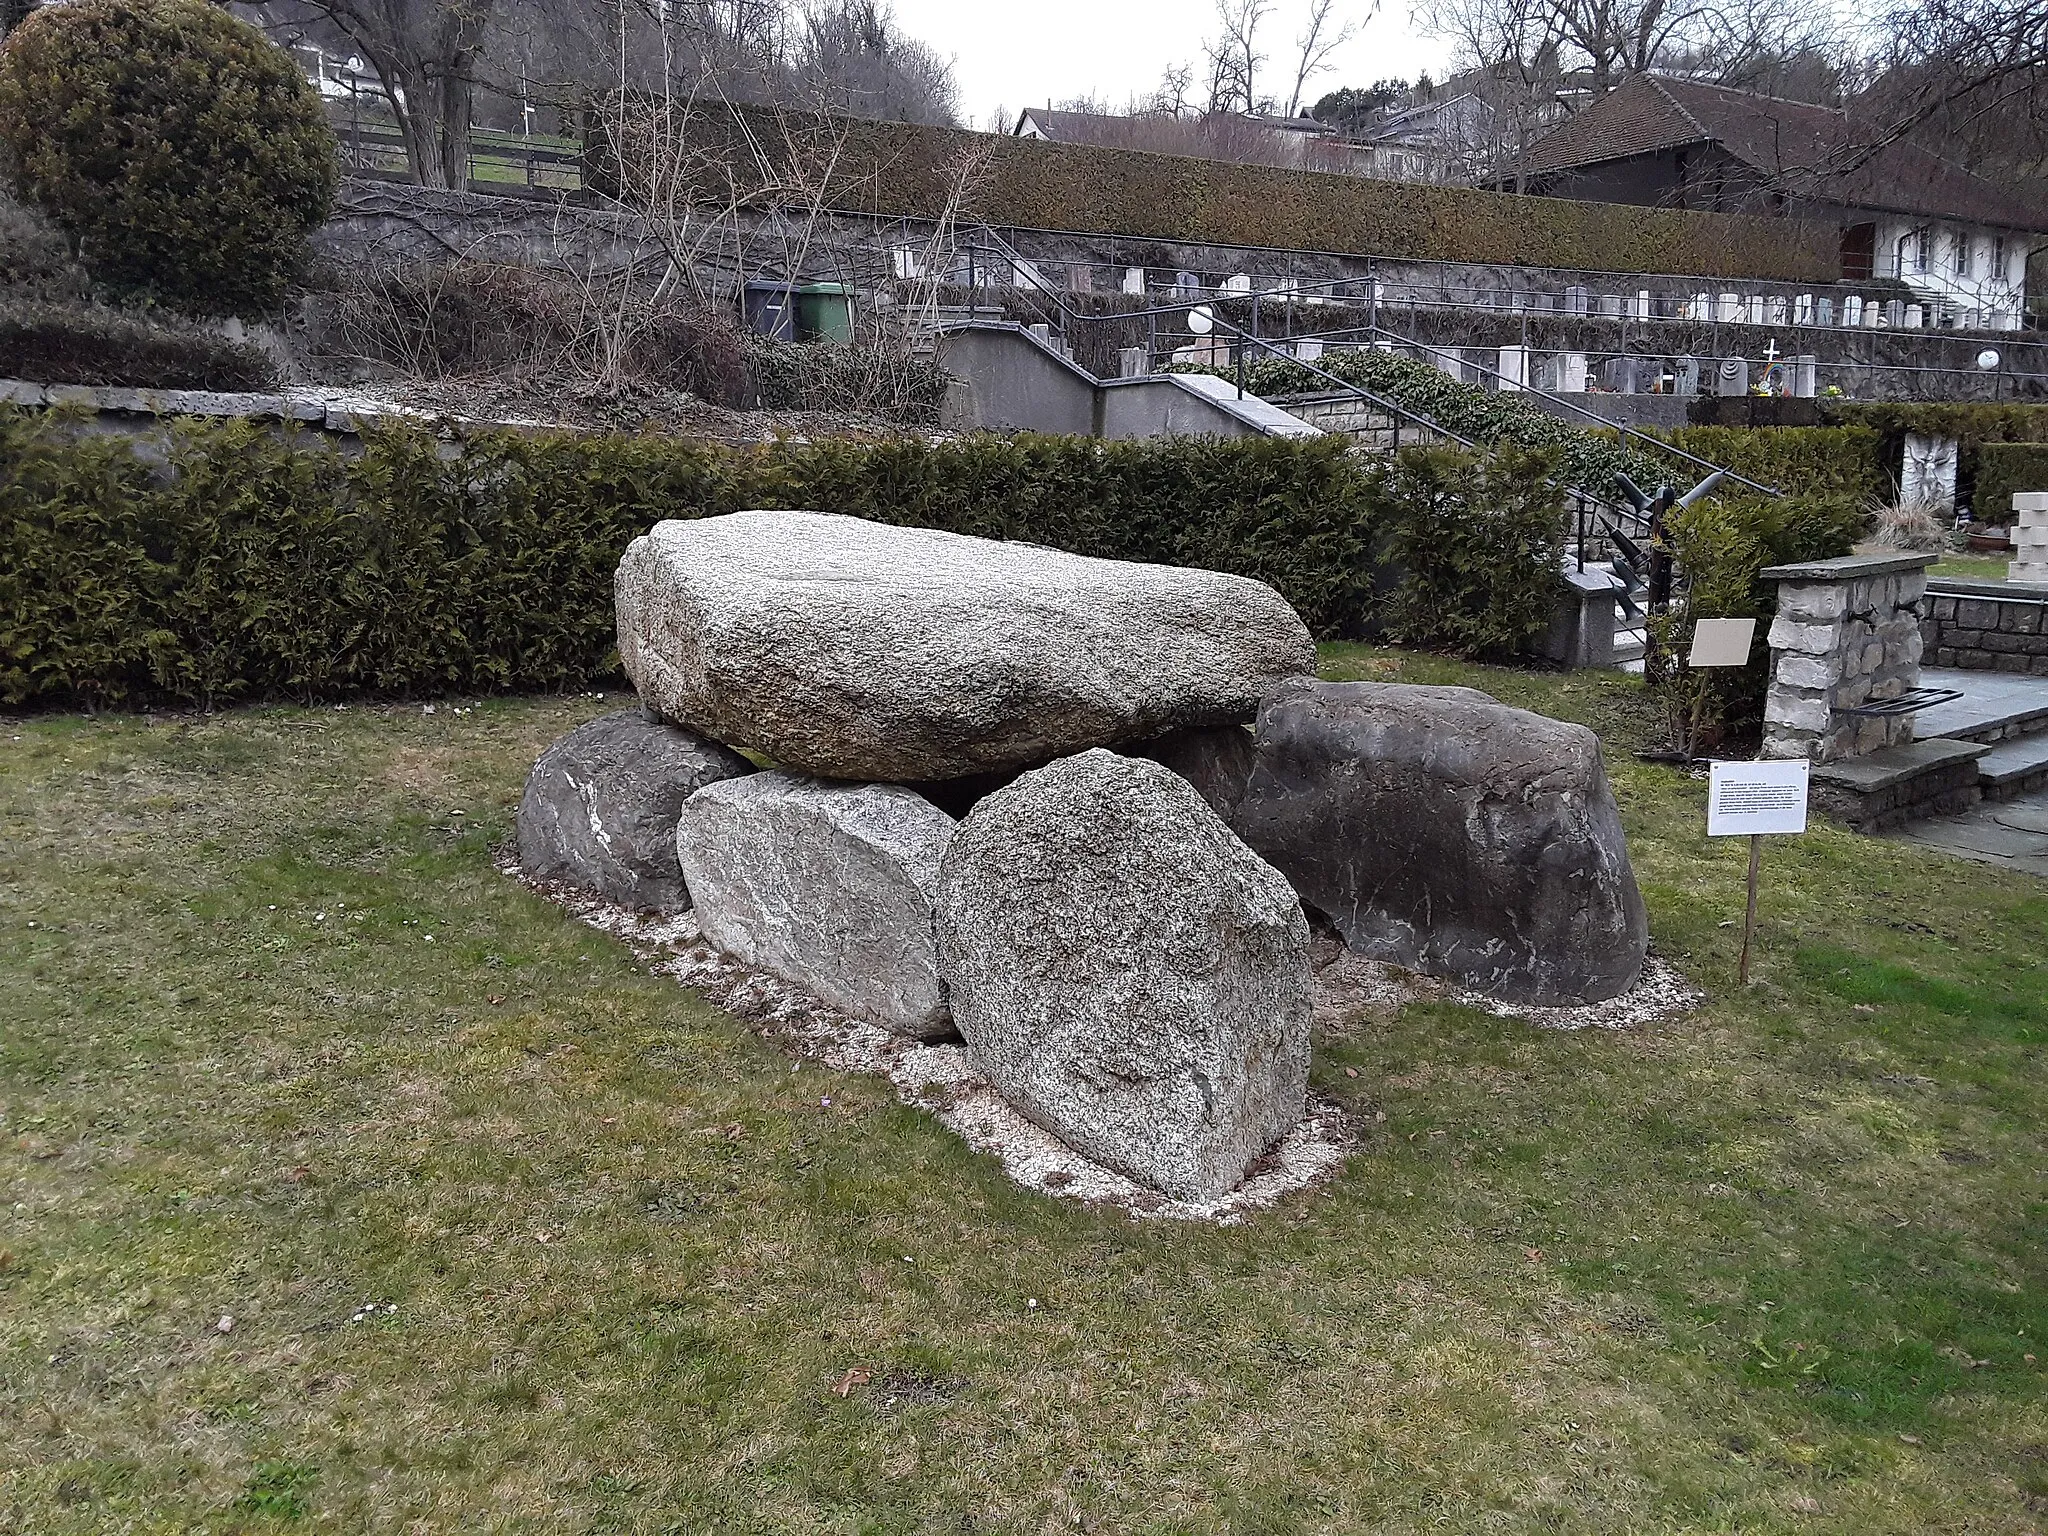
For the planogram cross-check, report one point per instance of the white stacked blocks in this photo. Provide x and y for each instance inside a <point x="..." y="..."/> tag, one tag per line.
<point x="2029" y="538"/>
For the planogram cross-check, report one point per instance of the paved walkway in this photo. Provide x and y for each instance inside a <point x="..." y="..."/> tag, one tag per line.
<point x="2011" y="833"/>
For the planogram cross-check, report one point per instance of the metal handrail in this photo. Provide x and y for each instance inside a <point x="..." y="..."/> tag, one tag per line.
<point x="1375" y="330"/>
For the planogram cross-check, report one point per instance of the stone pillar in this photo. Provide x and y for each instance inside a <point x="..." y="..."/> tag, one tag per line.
<point x="1847" y="634"/>
<point x="1133" y="363"/>
<point x="1803" y="370"/>
<point x="2029" y="537"/>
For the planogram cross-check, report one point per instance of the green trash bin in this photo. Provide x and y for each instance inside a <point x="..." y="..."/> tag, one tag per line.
<point x="824" y="312"/>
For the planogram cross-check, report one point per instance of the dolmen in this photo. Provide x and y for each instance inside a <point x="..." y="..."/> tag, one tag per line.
<point x="1077" y="812"/>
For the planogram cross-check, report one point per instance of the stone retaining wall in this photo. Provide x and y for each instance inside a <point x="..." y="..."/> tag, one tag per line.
<point x="1986" y="627"/>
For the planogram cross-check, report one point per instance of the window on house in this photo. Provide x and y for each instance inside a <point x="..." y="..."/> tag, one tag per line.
<point x="1997" y="272"/>
<point x="1959" y="254"/>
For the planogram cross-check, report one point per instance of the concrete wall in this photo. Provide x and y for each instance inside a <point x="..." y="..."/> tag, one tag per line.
<point x="1005" y="379"/>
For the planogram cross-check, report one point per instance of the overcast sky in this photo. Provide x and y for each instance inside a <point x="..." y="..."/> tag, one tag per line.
<point x="1017" y="55"/>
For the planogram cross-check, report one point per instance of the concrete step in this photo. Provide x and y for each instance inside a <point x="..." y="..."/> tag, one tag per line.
<point x="1896" y="785"/>
<point x="1995" y="706"/>
<point x="2014" y="767"/>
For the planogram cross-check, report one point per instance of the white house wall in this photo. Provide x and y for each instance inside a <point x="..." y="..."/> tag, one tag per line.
<point x="1988" y="294"/>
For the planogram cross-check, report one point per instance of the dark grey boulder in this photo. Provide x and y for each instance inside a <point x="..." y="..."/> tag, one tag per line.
<point x="1215" y="759"/>
<point x="601" y="804"/>
<point x="1126" y="972"/>
<point x="1449" y="833"/>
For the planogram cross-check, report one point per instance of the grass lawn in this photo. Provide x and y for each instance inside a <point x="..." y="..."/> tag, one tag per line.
<point x="279" y="1045"/>
<point x="1971" y="567"/>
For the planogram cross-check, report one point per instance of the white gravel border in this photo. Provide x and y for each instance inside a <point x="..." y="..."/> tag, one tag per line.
<point x="942" y="1079"/>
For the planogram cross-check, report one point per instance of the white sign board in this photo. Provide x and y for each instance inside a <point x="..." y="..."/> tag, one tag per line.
<point x="1721" y="642"/>
<point x="1747" y="799"/>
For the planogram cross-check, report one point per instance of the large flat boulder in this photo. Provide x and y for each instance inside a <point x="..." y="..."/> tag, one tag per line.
<point x="1127" y="973"/>
<point x="826" y="885"/>
<point x="601" y="805"/>
<point x="1450" y="834"/>
<point x="858" y="650"/>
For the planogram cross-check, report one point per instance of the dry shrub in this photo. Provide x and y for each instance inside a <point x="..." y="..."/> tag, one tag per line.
<point x="1911" y="526"/>
<point x="465" y="319"/>
<point x="875" y="372"/>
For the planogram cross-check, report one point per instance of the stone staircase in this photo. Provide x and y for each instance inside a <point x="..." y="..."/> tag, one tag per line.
<point x="2006" y="711"/>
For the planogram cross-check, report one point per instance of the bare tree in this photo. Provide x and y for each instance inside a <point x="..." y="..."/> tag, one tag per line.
<point x="425" y="56"/>
<point x="1319" y="39"/>
<point x="853" y="58"/>
<point x="1968" y="76"/>
<point x="1234" y="57"/>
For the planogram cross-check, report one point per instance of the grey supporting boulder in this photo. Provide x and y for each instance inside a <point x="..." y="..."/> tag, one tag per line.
<point x="828" y="886"/>
<point x="1128" y="974"/>
<point x="1451" y="834"/>
<point x="601" y="804"/>
<point x="859" y="650"/>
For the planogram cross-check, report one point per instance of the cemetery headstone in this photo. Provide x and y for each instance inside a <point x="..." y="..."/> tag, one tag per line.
<point x="1686" y="380"/>
<point x="1576" y="298"/>
<point x="1731" y="377"/>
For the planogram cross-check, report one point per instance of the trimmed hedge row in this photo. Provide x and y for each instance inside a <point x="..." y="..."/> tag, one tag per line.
<point x="2003" y="468"/>
<point x="1846" y="463"/>
<point x="1981" y="475"/>
<point x="75" y="343"/>
<point x="908" y="170"/>
<point x="253" y="565"/>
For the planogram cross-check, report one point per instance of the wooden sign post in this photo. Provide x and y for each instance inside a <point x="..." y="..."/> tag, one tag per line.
<point x="1756" y="800"/>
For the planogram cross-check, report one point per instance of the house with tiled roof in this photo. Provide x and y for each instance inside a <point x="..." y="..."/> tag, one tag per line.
<point x="1958" y="240"/>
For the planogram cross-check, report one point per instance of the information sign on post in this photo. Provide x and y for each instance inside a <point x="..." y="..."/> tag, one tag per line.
<point x="1756" y="800"/>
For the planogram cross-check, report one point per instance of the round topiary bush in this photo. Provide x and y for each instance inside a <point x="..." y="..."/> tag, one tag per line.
<point x="182" y="151"/>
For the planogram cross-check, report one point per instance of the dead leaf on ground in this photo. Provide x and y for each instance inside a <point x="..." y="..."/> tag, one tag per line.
<point x="856" y="1377"/>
